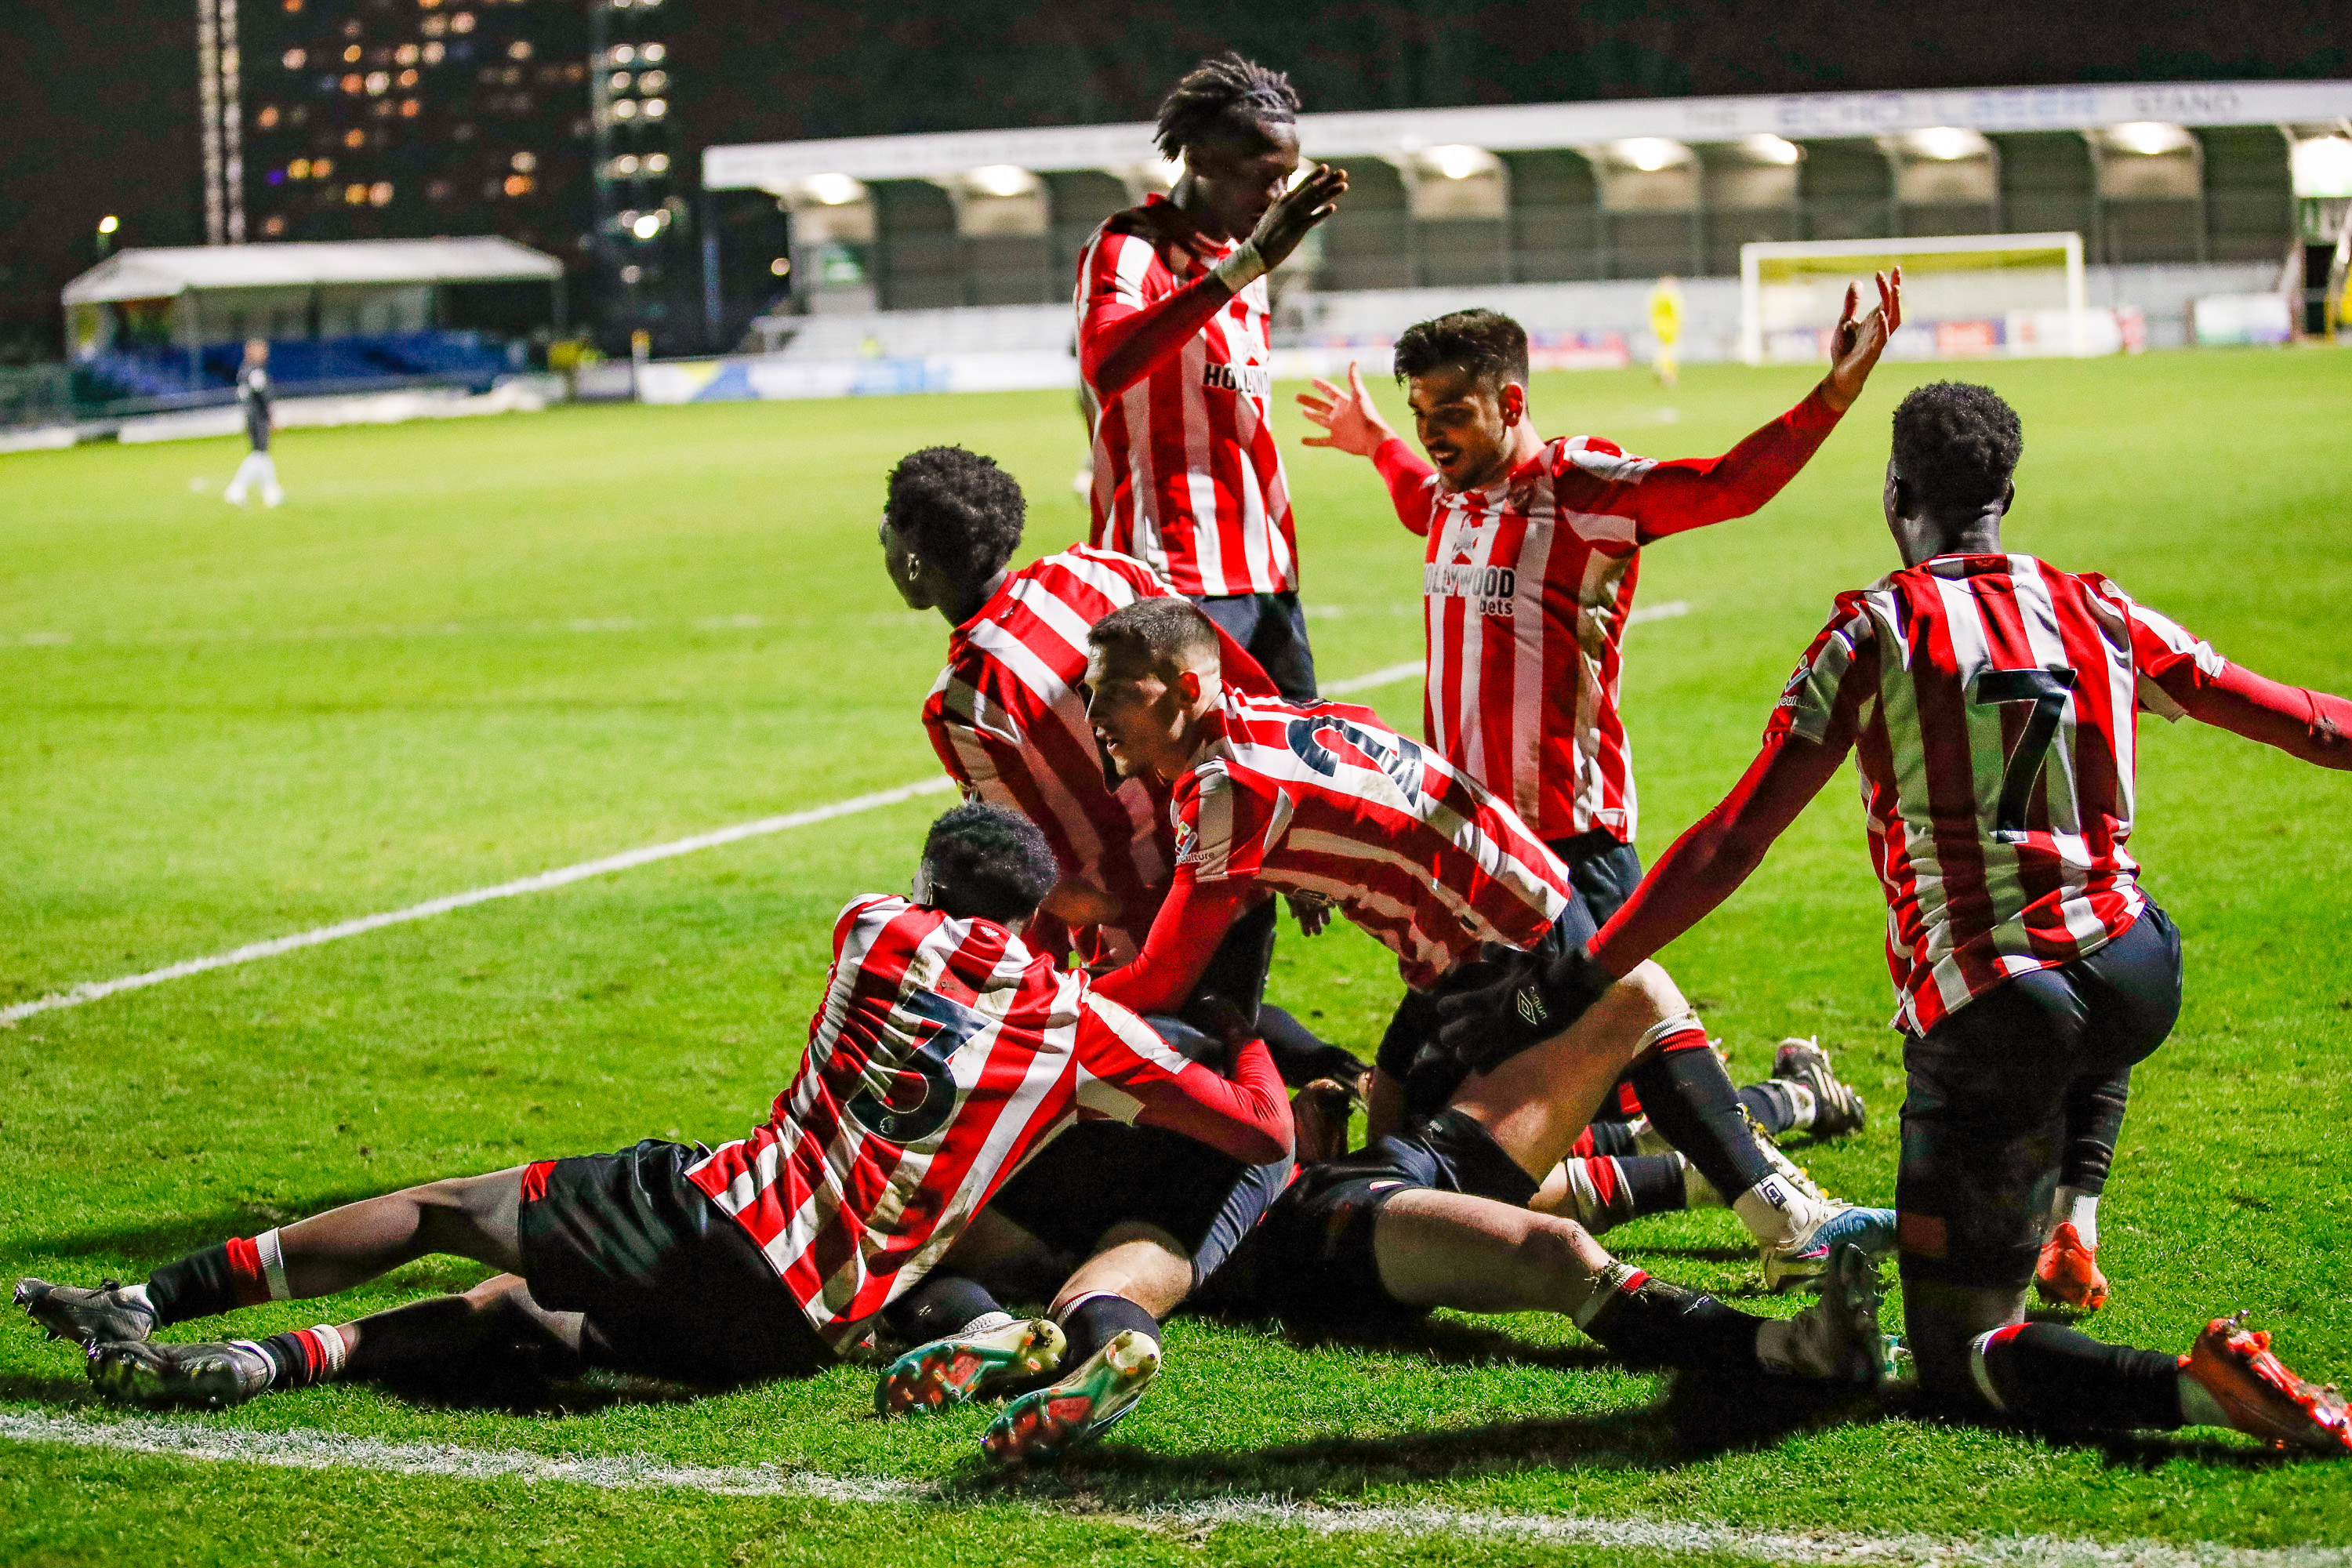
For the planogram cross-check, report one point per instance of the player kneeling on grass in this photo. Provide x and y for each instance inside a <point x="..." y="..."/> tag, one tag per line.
<point x="943" y="1053"/>
<point x="1991" y="700"/>
<point x="1325" y="800"/>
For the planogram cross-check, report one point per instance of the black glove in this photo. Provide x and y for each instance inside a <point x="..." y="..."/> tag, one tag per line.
<point x="1537" y="999"/>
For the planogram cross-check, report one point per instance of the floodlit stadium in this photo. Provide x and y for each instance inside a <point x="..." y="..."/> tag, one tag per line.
<point x="555" y="764"/>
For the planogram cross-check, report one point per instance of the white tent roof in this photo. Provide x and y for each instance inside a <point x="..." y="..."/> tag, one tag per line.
<point x="161" y="273"/>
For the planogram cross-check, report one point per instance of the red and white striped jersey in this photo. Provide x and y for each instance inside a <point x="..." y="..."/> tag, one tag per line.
<point x="1994" y="704"/>
<point x="1187" y="476"/>
<point x="1326" y="799"/>
<point x="944" y="1053"/>
<point x="1526" y="586"/>
<point x="1009" y="724"/>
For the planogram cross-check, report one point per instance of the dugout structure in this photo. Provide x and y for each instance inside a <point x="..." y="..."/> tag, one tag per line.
<point x="1963" y="296"/>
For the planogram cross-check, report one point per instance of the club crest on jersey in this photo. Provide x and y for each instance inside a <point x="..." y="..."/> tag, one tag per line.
<point x="1255" y="380"/>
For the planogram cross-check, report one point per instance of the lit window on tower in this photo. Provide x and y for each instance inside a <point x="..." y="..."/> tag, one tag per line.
<point x="380" y="194"/>
<point x="463" y="22"/>
<point x="295" y="59"/>
<point x="408" y="109"/>
<point x="268" y="117"/>
<point x="405" y="55"/>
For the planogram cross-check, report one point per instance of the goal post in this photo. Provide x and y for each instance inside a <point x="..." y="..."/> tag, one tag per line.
<point x="1963" y="296"/>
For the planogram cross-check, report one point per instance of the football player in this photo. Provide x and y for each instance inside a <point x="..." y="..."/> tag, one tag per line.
<point x="1534" y="550"/>
<point x="943" y="1053"/>
<point x="1152" y="1213"/>
<point x="1990" y="701"/>
<point x="1326" y="800"/>
<point x="1175" y="360"/>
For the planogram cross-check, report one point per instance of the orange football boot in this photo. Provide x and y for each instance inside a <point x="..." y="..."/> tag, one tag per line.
<point x="2261" y="1397"/>
<point x="2067" y="1275"/>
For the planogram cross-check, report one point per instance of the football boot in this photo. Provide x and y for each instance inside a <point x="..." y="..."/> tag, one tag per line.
<point x="968" y="1366"/>
<point x="2234" y="1365"/>
<point x="1805" y="1260"/>
<point x="150" y="1372"/>
<point x="1837" y="1338"/>
<point x="1837" y="1109"/>
<point x="1052" y="1421"/>
<point x="109" y="1314"/>
<point x="2067" y="1272"/>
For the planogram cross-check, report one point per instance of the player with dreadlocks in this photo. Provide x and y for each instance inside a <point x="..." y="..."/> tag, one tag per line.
<point x="1173" y="352"/>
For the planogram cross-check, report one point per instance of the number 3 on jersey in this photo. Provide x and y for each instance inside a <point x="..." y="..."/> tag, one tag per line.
<point x="2046" y="689"/>
<point x="922" y="1093"/>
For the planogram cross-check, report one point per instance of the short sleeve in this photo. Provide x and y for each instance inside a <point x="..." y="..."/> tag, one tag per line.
<point x="1121" y="1059"/>
<point x="1222" y="828"/>
<point x="2166" y="657"/>
<point x="1835" y="679"/>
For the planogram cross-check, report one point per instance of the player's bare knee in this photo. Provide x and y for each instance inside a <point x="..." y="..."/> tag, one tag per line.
<point x="1557" y="1251"/>
<point x="1660" y="996"/>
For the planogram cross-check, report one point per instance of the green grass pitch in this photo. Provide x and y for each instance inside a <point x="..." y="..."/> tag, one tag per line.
<point x="470" y="651"/>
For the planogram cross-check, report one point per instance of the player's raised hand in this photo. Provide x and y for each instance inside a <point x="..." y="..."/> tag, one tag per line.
<point x="1349" y="422"/>
<point x="1858" y="343"/>
<point x="1295" y="211"/>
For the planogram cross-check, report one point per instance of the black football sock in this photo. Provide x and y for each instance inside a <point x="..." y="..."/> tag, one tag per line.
<point x="305" y="1356"/>
<point x="2049" y="1375"/>
<point x="2094" y="1120"/>
<point x="1093" y="1321"/>
<point x="1690" y="1099"/>
<point x="1299" y="1055"/>
<point x="1613" y="1138"/>
<point x="1773" y="1107"/>
<point x="217" y="1279"/>
<point x="1606" y="1191"/>
<point x="941" y="1305"/>
<point x="1650" y="1322"/>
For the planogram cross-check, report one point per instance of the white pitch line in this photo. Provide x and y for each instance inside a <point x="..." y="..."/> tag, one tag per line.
<point x="93" y="990"/>
<point x="90" y="991"/>
<point x="314" y="1450"/>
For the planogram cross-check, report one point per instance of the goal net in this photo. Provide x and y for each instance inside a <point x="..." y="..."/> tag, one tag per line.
<point x="1964" y="296"/>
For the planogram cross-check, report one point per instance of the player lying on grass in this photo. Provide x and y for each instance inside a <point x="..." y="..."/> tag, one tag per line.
<point x="943" y="1053"/>
<point x="1326" y="800"/>
<point x="1534" y="550"/>
<point x="1152" y="1212"/>
<point x="1990" y="701"/>
<point x="1175" y="361"/>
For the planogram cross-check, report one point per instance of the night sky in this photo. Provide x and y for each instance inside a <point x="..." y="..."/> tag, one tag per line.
<point x="103" y="99"/>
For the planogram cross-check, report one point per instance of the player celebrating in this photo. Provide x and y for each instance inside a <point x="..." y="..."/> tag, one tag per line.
<point x="1151" y="1212"/>
<point x="1533" y="556"/>
<point x="253" y="396"/>
<point x="1173" y="353"/>
<point x="943" y="1053"/>
<point x="1990" y="701"/>
<point x="1325" y="799"/>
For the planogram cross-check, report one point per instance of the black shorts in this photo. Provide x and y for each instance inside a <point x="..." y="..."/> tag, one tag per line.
<point x="1984" y="1118"/>
<point x="669" y="1285"/>
<point x="1273" y="628"/>
<point x="1310" y="1262"/>
<point x="1102" y="1173"/>
<point x="1409" y="1049"/>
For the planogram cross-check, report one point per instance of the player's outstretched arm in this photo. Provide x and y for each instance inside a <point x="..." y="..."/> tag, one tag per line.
<point x="2315" y="726"/>
<point x="1694" y="492"/>
<point x="1245" y="1113"/>
<point x="1351" y="424"/>
<point x="1121" y="339"/>
<point x="1191" y="920"/>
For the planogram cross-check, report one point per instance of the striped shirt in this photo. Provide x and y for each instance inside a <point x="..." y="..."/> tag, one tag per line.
<point x="944" y="1053"/>
<point x="1994" y="704"/>
<point x="1526" y="584"/>
<point x="1325" y="799"/>
<point x="1009" y="722"/>
<point x="1187" y="476"/>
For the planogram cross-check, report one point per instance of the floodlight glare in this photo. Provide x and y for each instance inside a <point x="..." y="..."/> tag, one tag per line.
<point x="2323" y="167"/>
<point x="1458" y="162"/>
<point x="1946" y="143"/>
<point x="833" y="190"/>
<point x="781" y="266"/>
<point x="1649" y="153"/>
<point x="1767" y="148"/>
<point x="1002" y="179"/>
<point x="647" y="226"/>
<point x="109" y="224"/>
<point x="2147" y="137"/>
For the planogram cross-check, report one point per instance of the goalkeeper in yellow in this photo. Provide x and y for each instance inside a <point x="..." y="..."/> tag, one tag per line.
<point x="1666" y="327"/>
